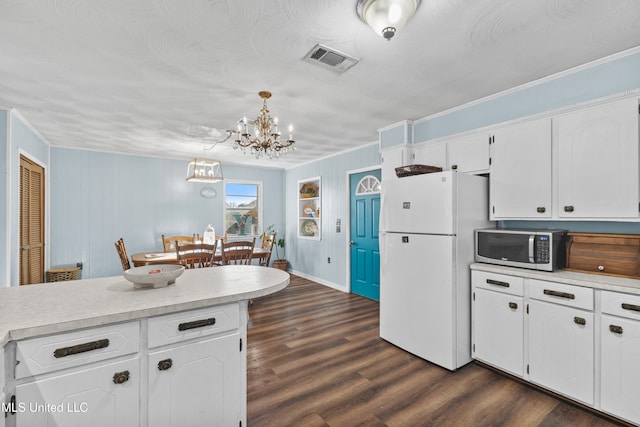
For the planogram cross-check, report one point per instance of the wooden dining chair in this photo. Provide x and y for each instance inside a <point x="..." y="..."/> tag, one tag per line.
<point x="237" y="252"/>
<point x="268" y="241"/>
<point x="169" y="243"/>
<point x="195" y="255"/>
<point x="122" y="253"/>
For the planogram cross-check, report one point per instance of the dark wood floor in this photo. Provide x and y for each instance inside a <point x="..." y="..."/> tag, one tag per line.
<point x="315" y="359"/>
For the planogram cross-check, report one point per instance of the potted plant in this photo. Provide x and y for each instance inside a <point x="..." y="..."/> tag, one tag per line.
<point x="279" y="263"/>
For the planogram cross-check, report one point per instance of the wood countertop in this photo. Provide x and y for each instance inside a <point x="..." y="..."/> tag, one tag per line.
<point x="42" y="309"/>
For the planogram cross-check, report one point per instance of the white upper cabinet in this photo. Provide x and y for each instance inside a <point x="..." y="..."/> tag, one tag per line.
<point x="469" y="154"/>
<point x="520" y="180"/>
<point x="431" y="154"/>
<point x="395" y="147"/>
<point x="597" y="151"/>
<point x="393" y="158"/>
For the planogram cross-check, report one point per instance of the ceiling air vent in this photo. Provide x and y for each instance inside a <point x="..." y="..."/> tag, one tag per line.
<point x="330" y="58"/>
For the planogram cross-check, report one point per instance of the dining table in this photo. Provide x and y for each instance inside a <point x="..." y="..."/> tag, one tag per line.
<point x="150" y="258"/>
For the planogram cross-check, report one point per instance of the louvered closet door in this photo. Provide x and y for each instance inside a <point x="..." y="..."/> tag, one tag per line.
<point x="31" y="222"/>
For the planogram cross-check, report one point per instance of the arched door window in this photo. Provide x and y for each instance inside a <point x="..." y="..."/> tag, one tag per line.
<point x="368" y="185"/>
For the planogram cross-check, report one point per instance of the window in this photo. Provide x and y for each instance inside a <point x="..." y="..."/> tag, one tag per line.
<point x="243" y="208"/>
<point x="368" y="185"/>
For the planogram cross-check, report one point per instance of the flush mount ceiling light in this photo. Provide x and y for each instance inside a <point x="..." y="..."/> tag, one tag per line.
<point x="267" y="137"/>
<point x="202" y="169"/>
<point x="386" y="17"/>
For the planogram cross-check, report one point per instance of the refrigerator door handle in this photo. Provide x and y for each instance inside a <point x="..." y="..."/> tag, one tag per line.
<point x="383" y="252"/>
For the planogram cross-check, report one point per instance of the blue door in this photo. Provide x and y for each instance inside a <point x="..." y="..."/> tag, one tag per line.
<point x="365" y="250"/>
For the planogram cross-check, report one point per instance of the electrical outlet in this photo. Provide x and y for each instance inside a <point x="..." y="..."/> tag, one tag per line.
<point x="329" y="260"/>
<point x="79" y="264"/>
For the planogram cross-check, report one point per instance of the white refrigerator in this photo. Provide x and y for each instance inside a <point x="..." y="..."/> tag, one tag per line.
<point x="427" y="225"/>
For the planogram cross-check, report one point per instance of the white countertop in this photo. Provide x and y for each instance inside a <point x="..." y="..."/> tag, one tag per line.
<point x="595" y="281"/>
<point x="33" y="310"/>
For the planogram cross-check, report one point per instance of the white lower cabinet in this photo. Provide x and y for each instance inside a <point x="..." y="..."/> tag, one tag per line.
<point x="562" y="338"/>
<point x="581" y="342"/>
<point x="106" y="395"/>
<point x="620" y="353"/>
<point x="197" y="384"/>
<point x="181" y="369"/>
<point x="498" y="330"/>
<point x="197" y="368"/>
<point x="498" y="321"/>
<point x="561" y="346"/>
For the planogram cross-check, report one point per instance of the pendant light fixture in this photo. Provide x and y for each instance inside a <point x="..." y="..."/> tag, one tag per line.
<point x="386" y="17"/>
<point x="201" y="169"/>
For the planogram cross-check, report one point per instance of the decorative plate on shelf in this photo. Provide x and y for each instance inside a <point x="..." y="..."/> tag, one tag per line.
<point x="308" y="190"/>
<point x="309" y="228"/>
<point x="154" y="276"/>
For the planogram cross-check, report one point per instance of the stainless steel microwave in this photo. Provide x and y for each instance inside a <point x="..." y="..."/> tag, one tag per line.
<point x="526" y="248"/>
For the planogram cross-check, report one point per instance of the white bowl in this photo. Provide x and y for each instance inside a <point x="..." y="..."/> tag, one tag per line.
<point x="154" y="276"/>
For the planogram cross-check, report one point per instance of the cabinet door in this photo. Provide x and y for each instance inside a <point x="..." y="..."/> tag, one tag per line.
<point x="87" y="397"/>
<point x="469" y="154"/>
<point x="498" y="330"/>
<point x="197" y="384"/>
<point x="561" y="347"/>
<point x="393" y="158"/>
<point x="430" y="154"/>
<point x="598" y="162"/>
<point x="619" y="373"/>
<point x="520" y="180"/>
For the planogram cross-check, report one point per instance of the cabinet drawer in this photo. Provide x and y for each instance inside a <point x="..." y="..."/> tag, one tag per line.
<point x="498" y="282"/>
<point x="559" y="293"/>
<point x="619" y="304"/>
<point x="67" y="350"/>
<point x="191" y="324"/>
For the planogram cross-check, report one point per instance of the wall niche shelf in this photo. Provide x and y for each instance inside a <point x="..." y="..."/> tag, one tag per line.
<point x="309" y="201"/>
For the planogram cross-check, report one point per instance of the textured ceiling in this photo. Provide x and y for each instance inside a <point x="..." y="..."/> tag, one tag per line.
<point x="151" y="77"/>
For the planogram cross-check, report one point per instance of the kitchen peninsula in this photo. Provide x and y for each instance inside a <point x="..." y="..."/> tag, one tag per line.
<point x="100" y="352"/>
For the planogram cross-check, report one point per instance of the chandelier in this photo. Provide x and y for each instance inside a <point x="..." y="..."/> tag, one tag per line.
<point x="386" y="17"/>
<point x="266" y="141"/>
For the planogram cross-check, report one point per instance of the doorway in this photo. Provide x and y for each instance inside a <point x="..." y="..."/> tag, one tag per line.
<point x="364" y="213"/>
<point x="31" y="222"/>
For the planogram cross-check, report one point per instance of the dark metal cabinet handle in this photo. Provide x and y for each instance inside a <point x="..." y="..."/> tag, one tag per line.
<point x="513" y="305"/>
<point x="165" y="364"/>
<point x="121" y="377"/>
<point x="541" y="209"/>
<point x="498" y="283"/>
<point x="197" y="324"/>
<point x="580" y="320"/>
<point x="615" y="329"/>
<point x="80" y="348"/>
<point x="454" y="167"/>
<point x="559" y="294"/>
<point x="631" y="307"/>
<point x="568" y="208"/>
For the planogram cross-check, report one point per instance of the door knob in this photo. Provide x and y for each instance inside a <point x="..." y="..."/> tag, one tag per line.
<point x="351" y="242"/>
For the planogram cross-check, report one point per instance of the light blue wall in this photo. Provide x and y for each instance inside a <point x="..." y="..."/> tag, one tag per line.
<point x="4" y="176"/>
<point x="309" y="257"/>
<point x="605" y="79"/>
<point x="99" y="197"/>
<point x="23" y="141"/>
